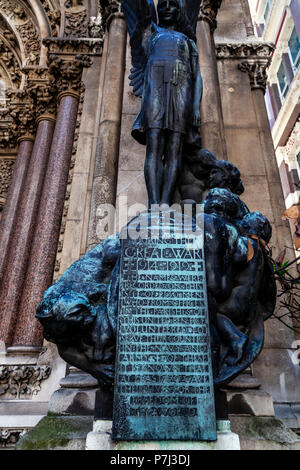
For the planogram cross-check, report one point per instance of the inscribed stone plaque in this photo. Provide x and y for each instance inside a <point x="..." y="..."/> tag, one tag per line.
<point x="163" y="384"/>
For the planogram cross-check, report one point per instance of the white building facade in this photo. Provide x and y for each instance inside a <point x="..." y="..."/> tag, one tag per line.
<point x="278" y="21"/>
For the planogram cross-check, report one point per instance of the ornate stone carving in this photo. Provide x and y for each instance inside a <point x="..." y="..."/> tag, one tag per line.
<point x="96" y="27"/>
<point x="67" y="73"/>
<point x="6" y="169"/>
<point x="53" y="16"/>
<point x="10" y="436"/>
<point x="32" y="43"/>
<point x="257" y="71"/>
<point x="7" y="137"/>
<point x="11" y="63"/>
<point x="76" y="19"/>
<point x="22" y="111"/>
<point x="111" y="8"/>
<point x="22" y="381"/>
<point x="13" y="8"/>
<point x="26" y="28"/>
<point x="72" y="47"/>
<point x="17" y="120"/>
<point x="208" y="12"/>
<point x="255" y="57"/>
<point x="244" y="50"/>
<point x="293" y="140"/>
<point x="44" y="96"/>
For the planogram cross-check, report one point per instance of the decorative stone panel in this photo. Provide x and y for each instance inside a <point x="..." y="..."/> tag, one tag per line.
<point x="10" y="436"/>
<point x="19" y="382"/>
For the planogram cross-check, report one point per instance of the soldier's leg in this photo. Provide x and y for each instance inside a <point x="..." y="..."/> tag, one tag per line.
<point x="153" y="165"/>
<point x="172" y="166"/>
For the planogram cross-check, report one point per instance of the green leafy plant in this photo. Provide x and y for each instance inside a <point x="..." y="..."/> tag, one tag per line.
<point x="288" y="294"/>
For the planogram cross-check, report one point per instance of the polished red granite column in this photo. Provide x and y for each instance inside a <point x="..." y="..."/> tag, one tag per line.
<point x="19" y="253"/>
<point x="9" y="214"/>
<point x="44" y="246"/>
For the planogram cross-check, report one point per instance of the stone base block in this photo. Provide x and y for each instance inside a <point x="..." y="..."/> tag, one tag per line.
<point x="264" y="433"/>
<point x="289" y="413"/>
<point x="100" y="439"/>
<point x="57" y="433"/>
<point x="250" y="402"/>
<point x="72" y="401"/>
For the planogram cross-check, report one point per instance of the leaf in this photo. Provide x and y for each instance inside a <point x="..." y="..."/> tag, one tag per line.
<point x="250" y="251"/>
<point x="282" y="270"/>
<point x="281" y="257"/>
<point x="291" y="213"/>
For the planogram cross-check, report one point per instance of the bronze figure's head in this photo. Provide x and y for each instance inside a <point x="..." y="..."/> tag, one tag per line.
<point x="168" y="12"/>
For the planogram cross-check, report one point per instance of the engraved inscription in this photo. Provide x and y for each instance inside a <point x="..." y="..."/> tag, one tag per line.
<point x="163" y="369"/>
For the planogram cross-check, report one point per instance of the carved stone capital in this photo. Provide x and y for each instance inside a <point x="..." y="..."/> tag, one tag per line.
<point x="254" y="58"/>
<point x="67" y="73"/>
<point x="42" y="89"/>
<point x="44" y="96"/>
<point x="257" y="72"/>
<point x="22" y="381"/>
<point x="208" y="12"/>
<point x="259" y="50"/>
<point x="22" y="112"/>
<point x="76" y="19"/>
<point x="111" y="10"/>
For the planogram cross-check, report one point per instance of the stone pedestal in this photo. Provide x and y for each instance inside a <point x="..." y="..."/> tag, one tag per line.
<point x="100" y="439"/>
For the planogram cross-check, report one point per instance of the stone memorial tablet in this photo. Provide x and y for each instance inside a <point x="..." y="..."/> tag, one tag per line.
<point x="163" y="384"/>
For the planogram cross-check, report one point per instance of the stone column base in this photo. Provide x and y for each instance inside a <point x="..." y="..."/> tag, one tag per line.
<point x="100" y="439"/>
<point x="76" y="395"/>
